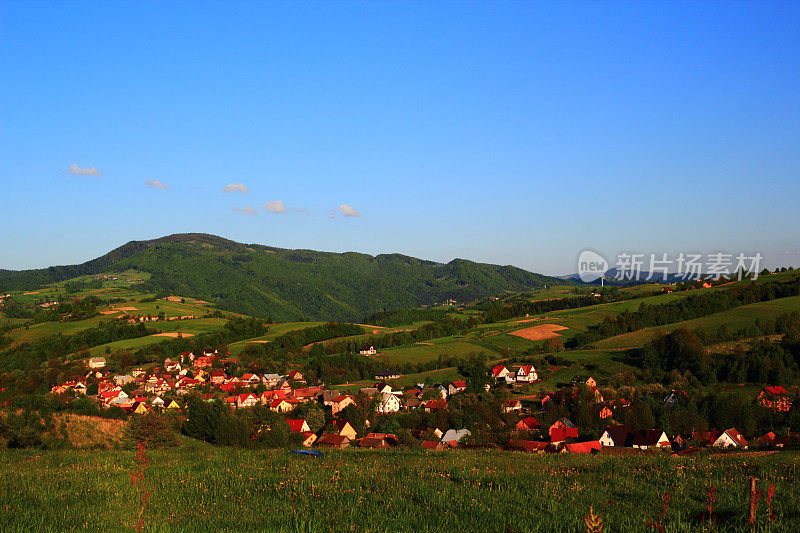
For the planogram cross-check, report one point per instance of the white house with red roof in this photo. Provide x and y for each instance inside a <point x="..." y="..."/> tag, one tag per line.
<point x="527" y="374"/>
<point x="731" y="438"/>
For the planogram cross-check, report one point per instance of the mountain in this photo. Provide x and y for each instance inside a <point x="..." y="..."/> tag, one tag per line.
<point x="643" y="277"/>
<point x="289" y="284"/>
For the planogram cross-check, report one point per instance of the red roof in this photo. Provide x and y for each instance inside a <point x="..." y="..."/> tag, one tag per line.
<point x="295" y="424"/>
<point x="460" y="384"/>
<point x="528" y="423"/>
<point x="527" y="445"/>
<point x="430" y="444"/>
<point x="499" y="368"/>
<point x="561" y="434"/>
<point x="776" y="390"/>
<point x="436" y="404"/>
<point x="584" y="447"/>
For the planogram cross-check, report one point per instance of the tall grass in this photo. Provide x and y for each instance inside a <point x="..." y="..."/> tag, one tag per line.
<point x="203" y="488"/>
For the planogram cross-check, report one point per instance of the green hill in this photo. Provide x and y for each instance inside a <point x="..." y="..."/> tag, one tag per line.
<point x="289" y="284"/>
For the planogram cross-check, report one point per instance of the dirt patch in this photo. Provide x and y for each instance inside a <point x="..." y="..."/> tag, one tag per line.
<point x="173" y="334"/>
<point x="425" y="343"/>
<point x="526" y="320"/>
<point x="29" y="293"/>
<point x="91" y="431"/>
<point x="540" y="332"/>
<point x="201" y="302"/>
<point x="126" y="309"/>
<point x="260" y="341"/>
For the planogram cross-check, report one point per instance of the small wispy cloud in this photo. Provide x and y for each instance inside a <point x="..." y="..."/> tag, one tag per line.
<point x="77" y="170"/>
<point x="156" y="184"/>
<point x="246" y="210"/>
<point x="302" y="211"/>
<point x="236" y="187"/>
<point x="348" y="211"/>
<point x="275" y="206"/>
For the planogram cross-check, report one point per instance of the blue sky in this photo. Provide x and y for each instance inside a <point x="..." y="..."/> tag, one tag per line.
<point x="513" y="133"/>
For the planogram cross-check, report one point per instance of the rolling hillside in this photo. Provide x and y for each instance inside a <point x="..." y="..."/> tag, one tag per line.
<point x="289" y="284"/>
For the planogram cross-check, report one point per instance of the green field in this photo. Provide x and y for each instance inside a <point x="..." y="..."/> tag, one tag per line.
<point x="732" y="319"/>
<point x="442" y="347"/>
<point x="201" y="488"/>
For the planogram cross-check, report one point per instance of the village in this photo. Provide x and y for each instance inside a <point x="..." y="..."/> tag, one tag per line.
<point x="165" y="388"/>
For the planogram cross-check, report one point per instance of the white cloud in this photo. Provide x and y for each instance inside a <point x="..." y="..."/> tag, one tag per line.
<point x="275" y="206"/>
<point x="246" y="210"/>
<point x="156" y="184"/>
<point x="75" y="170"/>
<point x="349" y="211"/>
<point x="236" y="187"/>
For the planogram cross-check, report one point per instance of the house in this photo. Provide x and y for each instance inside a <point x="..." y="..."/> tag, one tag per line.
<point x="705" y="438"/>
<point x="333" y="441"/>
<point x="298" y="425"/>
<point x="527" y="374"/>
<point x="434" y="405"/>
<point x="341" y="427"/>
<point x="368" y="351"/>
<point x="386" y="375"/>
<point x="271" y="380"/>
<point x="171" y="366"/>
<point x="187" y="357"/>
<point x="772" y="440"/>
<point x="563" y="429"/>
<point x="296" y="376"/>
<point x="512" y="405"/>
<point x="528" y="445"/>
<point x="617" y="436"/>
<point x="309" y="438"/>
<point x="584" y="380"/>
<point x="340" y="402"/>
<point x="456" y="387"/>
<point x="378" y="440"/>
<point x="528" y="424"/>
<point x="454" y="436"/>
<point x="217" y="377"/>
<point x="605" y="412"/>
<point x="251" y="379"/>
<point x="138" y="373"/>
<point x="157" y="403"/>
<point x="280" y="406"/>
<point x="203" y="362"/>
<point x="731" y="438"/>
<point x="387" y="403"/>
<point x="432" y="445"/>
<point x="776" y="398"/>
<point x="247" y="400"/>
<point x="172" y="404"/>
<point x="96" y="363"/>
<point x="591" y="446"/>
<point x="646" y="439"/>
<point x="500" y="372"/>
<point x="383" y="388"/>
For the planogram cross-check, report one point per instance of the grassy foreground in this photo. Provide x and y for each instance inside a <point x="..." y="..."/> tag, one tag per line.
<point x="202" y="488"/>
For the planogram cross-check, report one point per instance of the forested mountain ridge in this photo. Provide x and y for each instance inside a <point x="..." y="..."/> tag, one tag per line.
<point x="289" y="284"/>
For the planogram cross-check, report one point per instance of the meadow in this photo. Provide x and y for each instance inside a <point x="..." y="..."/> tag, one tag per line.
<point x="198" y="487"/>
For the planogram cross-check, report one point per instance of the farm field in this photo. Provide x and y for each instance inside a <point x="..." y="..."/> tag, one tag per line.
<point x="432" y="350"/>
<point x="198" y="487"/>
<point x="733" y="319"/>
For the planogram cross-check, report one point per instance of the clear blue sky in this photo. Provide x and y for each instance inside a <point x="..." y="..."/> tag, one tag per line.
<point x="512" y="133"/>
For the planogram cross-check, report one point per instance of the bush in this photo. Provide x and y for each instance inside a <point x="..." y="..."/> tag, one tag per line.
<point x="154" y="430"/>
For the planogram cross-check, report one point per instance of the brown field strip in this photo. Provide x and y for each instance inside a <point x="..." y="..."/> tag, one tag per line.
<point x="540" y="332"/>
